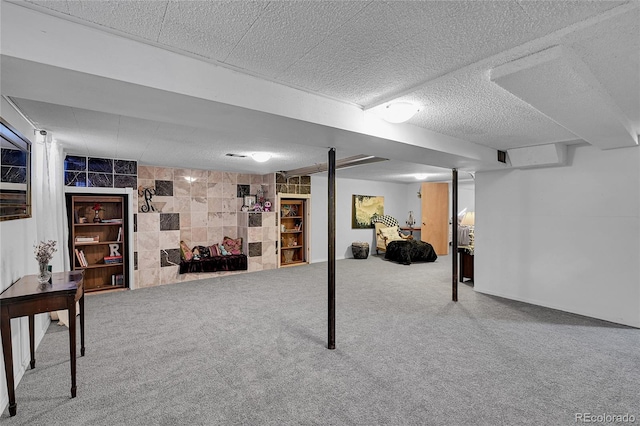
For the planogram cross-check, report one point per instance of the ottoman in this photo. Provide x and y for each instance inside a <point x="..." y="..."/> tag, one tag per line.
<point x="360" y="250"/>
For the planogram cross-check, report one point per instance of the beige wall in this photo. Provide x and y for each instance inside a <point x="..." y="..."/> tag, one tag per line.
<point x="200" y="211"/>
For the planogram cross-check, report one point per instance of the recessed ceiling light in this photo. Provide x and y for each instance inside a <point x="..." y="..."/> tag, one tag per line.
<point x="190" y="179"/>
<point x="399" y="112"/>
<point x="261" y="157"/>
<point x="421" y="176"/>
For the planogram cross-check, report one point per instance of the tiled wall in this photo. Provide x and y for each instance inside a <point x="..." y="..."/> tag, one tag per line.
<point x="293" y="185"/>
<point x="99" y="172"/>
<point x="259" y="230"/>
<point x="199" y="207"/>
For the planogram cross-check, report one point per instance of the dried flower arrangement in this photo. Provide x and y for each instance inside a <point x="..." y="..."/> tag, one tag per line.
<point x="97" y="207"/>
<point x="44" y="251"/>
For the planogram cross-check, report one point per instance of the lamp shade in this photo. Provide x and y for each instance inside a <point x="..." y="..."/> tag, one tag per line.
<point x="469" y="219"/>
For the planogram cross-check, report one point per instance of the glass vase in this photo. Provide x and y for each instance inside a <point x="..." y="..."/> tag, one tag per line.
<point x="44" y="275"/>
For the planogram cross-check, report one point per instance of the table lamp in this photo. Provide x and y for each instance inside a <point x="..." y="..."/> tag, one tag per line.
<point x="469" y="219"/>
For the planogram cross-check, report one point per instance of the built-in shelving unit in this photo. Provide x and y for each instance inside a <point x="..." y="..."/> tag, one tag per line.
<point x="293" y="232"/>
<point x="98" y="240"/>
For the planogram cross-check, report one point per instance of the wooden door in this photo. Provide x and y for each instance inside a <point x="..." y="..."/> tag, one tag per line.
<point x="435" y="216"/>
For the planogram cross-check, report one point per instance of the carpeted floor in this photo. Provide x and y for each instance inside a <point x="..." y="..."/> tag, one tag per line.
<point x="251" y="349"/>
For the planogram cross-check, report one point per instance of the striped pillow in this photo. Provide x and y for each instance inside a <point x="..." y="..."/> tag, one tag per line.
<point x="214" y="250"/>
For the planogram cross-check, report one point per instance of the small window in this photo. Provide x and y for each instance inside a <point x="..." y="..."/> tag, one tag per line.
<point x="15" y="173"/>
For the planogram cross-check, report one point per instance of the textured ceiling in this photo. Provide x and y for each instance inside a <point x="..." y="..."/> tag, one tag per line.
<point x="439" y="54"/>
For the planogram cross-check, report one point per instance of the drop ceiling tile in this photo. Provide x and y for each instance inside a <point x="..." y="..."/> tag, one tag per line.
<point x="285" y="32"/>
<point x="329" y="68"/>
<point x="476" y="110"/>
<point x="209" y="29"/>
<point x="140" y="19"/>
<point x="427" y="39"/>
<point x="57" y="5"/>
<point x="553" y="15"/>
<point x="360" y="52"/>
<point x="97" y="120"/>
<point x="376" y="29"/>
<point x="454" y="35"/>
<point x="45" y="115"/>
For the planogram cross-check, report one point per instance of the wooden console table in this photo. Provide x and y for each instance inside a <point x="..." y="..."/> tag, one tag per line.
<point x="407" y="228"/>
<point x="27" y="297"/>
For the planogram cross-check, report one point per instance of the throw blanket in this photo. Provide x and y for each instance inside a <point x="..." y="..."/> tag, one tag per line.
<point x="233" y="262"/>
<point x="407" y="251"/>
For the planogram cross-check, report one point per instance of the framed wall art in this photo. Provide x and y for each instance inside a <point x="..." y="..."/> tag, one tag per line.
<point x="364" y="208"/>
<point x="249" y="201"/>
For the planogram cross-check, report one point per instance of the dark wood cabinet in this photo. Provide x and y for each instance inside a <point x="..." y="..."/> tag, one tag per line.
<point x="466" y="264"/>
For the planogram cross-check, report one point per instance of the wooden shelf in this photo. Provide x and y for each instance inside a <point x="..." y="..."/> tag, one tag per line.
<point x="98" y="275"/>
<point x="105" y="288"/>
<point x="97" y="243"/>
<point x="98" y="224"/>
<point x="293" y="263"/>
<point x="293" y="239"/>
<point x="99" y="265"/>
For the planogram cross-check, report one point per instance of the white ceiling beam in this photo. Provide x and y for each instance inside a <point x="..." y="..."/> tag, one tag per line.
<point x="558" y="84"/>
<point x="44" y="39"/>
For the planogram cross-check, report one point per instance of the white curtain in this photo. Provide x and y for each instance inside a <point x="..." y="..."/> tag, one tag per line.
<point x="49" y="203"/>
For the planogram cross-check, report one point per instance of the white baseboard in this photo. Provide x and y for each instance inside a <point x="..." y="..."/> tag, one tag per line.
<point x="558" y="307"/>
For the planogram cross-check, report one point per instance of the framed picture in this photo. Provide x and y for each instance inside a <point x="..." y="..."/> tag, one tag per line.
<point x="249" y="201"/>
<point x="364" y="208"/>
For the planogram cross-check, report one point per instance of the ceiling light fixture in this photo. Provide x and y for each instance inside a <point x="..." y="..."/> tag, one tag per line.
<point x="399" y="112"/>
<point x="261" y="157"/>
<point x="422" y="176"/>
